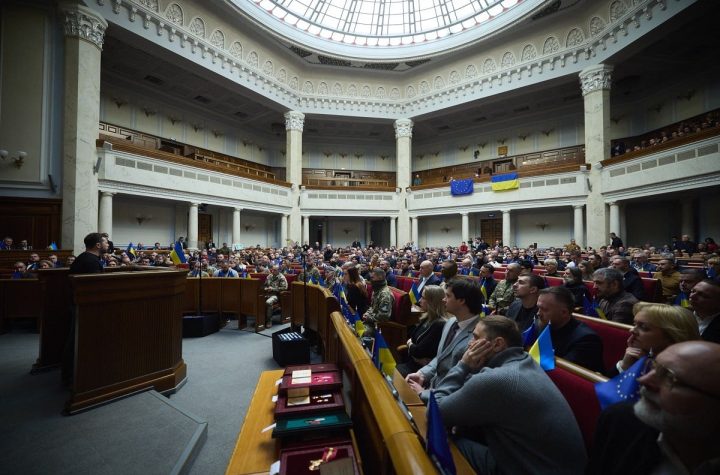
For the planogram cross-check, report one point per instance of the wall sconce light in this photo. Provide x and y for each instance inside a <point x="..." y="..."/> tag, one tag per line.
<point x="445" y="229"/>
<point x="542" y="225"/>
<point x="141" y="218"/>
<point x="17" y="161"/>
<point x="347" y="230"/>
<point x="249" y="227"/>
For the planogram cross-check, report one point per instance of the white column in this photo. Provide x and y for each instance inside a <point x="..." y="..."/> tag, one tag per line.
<point x="614" y="219"/>
<point x="393" y="232"/>
<point x="105" y="217"/>
<point x="306" y="230"/>
<point x="403" y="154"/>
<point x="284" y="230"/>
<point x="84" y="36"/>
<point x="578" y="229"/>
<point x="294" y="122"/>
<point x="465" y="226"/>
<point x="687" y="218"/>
<point x="236" y="236"/>
<point x="192" y="234"/>
<point x="507" y="228"/>
<point x="415" y="233"/>
<point x="368" y="231"/>
<point x="595" y="83"/>
<point x="324" y="232"/>
<point x="623" y="225"/>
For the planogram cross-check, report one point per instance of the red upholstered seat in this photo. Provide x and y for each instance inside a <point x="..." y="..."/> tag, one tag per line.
<point x="290" y="278"/>
<point x="262" y="277"/>
<point x="537" y="271"/>
<point x="405" y="283"/>
<point x="499" y="275"/>
<point x="614" y="338"/>
<point x="580" y="395"/>
<point x="591" y="288"/>
<point x="653" y="290"/>
<point x="554" y="281"/>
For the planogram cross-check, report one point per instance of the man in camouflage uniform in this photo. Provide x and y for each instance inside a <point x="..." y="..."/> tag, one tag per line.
<point x="313" y="274"/>
<point x="274" y="284"/>
<point x="381" y="304"/>
<point x="503" y="295"/>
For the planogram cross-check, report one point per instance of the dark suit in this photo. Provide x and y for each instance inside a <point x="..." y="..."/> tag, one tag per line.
<point x="425" y="338"/>
<point x="633" y="284"/>
<point x="490" y="285"/>
<point x="579" y="344"/>
<point x="712" y="332"/>
<point x="521" y="315"/>
<point x="391" y="279"/>
<point x="432" y="280"/>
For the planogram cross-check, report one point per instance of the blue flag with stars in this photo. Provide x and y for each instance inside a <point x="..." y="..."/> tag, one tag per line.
<point x="623" y="387"/>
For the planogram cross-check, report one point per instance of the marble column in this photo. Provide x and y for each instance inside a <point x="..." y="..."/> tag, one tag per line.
<point x="84" y="36"/>
<point x="305" y="229"/>
<point x="403" y="154"/>
<point x="284" y="229"/>
<point x="415" y="233"/>
<point x="465" y="227"/>
<point x="595" y="83"/>
<point x="192" y="234"/>
<point x="393" y="232"/>
<point x="236" y="236"/>
<point x="687" y="218"/>
<point x="506" y="228"/>
<point x="294" y="122"/>
<point x="578" y="228"/>
<point x="614" y="220"/>
<point x="105" y="216"/>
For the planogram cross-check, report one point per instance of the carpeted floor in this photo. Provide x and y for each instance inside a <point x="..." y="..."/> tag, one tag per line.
<point x="131" y="435"/>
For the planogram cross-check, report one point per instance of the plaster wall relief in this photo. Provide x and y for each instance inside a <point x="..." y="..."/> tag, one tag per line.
<point x="597" y="25"/>
<point x="236" y="49"/>
<point x="268" y="68"/>
<point x="149" y="4"/>
<point x="323" y="89"/>
<point x="252" y="59"/>
<point x="380" y="94"/>
<point x="217" y="39"/>
<point x="551" y="45"/>
<point x="174" y="13"/>
<point x="508" y="60"/>
<point x="281" y="76"/>
<point x="528" y="53"/>
<point x="197" y="27"/>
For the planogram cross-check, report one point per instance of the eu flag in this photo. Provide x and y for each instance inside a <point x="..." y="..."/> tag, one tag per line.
<point x="437" y="441"/>
<point x="623" y="387"/>
<point x="462" y="187"/>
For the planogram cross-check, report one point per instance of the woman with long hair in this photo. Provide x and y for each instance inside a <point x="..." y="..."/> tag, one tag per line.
<point x="655" y="327"/>
<point x="425" y="337"/>
<point x="355" y="291"/>
<point x="574" y="283"/>
<point x="587" y="269"/>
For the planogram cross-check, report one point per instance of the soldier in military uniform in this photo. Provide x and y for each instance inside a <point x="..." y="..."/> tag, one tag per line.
<point x="274" y="284"/>
<point x="381" y="304"/>
<point x="313" y="274"/>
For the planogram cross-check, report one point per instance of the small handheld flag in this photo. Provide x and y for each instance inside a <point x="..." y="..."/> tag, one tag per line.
<point x="53" y="246"/>
<point x="542" y="350"/>
<point x="131" y="250"/>
<point x="177" y="254"/>
<point x="382" y="357"/>
<point x="437" y="440"/>
<point x="530" y="335"/>
<point x="682" y="300"/>
<point x="414" y="294"/>
<point x="623" y="387"/>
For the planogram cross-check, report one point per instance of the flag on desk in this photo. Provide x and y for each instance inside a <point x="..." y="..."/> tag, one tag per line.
<point x="682" y="300"/>
<point x="623" y="387"/>
<point x="506" y="181"/>
<point x="414" y="294"/>
<point x="542" y="350"/>
<point x="53" y="246"/>
<point x="592" y="309"/>
<point x="530" y="335"/>
<point x="483" y="289"/>
<point x="382" y="357"/>
<point x="462" y="187"/>
<point x="130" y="251"/>
<point x="177" y="254"/>
<point x="437" y="439"/>
<point x="321" y="281"/>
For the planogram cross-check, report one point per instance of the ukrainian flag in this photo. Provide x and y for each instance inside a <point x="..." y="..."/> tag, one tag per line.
<point x="131" y="250"/>
<point x="542" y="350"/>
<point x="414" y="294"/>
<point x="359" y="327"/>
<point x="682" y="300"/>
<point x="53" y="246"/>
<point x="177" y="254"/>
<point x="382" y="357"/>
<point x="483" y="289"/>
<point x="507" y="181"/>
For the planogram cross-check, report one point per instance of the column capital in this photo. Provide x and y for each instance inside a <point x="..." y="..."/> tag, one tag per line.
<point x="506" y="211"/>
<point x="108" y="193"/>
<point x="236" y="208"/>
<point x="285" y="215"/>
<point x="403" y="128"/>
<point x="578" y="206"/>
<point x="595" y="78"/>
<point x="464" y="213"/>
<point x="612" y="203"/>
<point x="294" y="120"/>
<point x="193" y="204"/>
<point x="84" y="23"/>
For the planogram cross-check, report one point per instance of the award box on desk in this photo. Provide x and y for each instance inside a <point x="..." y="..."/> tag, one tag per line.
<point x="296" y="459"/>
<point x="315" y="368"/>
<point x="315" y="403"/>
<point x="315" y="382"/>
<point x="305" y="424"/>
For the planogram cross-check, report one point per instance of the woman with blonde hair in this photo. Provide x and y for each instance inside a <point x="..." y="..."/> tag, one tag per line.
<point x="425" y="337"/>
<point x="655" y="327"/>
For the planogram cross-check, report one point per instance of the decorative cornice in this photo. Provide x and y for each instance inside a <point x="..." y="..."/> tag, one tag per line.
<point x="294" y="120"/>
<point x="84" y="23"/>
<point x="596" y="78"/>
<point x="403" y="128"/>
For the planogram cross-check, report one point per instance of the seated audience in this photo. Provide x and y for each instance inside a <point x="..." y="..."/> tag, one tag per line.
<point x="640" y="263"/>
<point x="355" y="291"/>
<point x="19" y="271"/>
<point x="496" y="399"/>
<point x="571" y="339"/>
<point x="274" y="284"/>
<point x="197" y="270"/>
<point x="669" y="277"/>
<point x="574" y="283"/>
<point x="586" y="269"/>
<point x="655" y="327"/>
<point x="551" y="266"/>
<point x="524" y="308"/>
<point x="34" y="262"/>
<point x="426" y="275"/>
<point x="463" y="299"/>
<point x="615" y="303"/>
<point x="449" y="270"/>
<point x="713" y="268"/>
<point x="225" y="270"/>
<point x="381" y="303"/>
<point x="389" y="274"/>
<point x="503" y="295"/>
<point x="487" y="280"/>
<point x="424" y="339"/>
<point x="631" y="279"/>
<point x="6" y="244"/>
<point x="705" y="301"/>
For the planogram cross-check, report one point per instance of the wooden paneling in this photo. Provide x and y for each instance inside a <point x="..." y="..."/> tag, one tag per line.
<point x="37" y="220"/>
<point x="19" y="300"/>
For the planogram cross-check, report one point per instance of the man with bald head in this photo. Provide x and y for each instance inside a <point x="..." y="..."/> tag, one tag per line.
<point x="504" y="295"/>
<point x="426" y="276"/>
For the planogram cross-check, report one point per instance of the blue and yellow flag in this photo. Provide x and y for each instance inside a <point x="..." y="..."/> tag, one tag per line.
<point x="506" y="181"/>
<point x="177" y="254"/>
<point x="592" y="309"/>
<point x="483" y="289"/>
<point x="414" y="294"/>
<point x="529" y="335"/>
<point x="382" y="357"/>
<point x="131" y="250"/>
<point x="542" y="350"/>
<point x="359" y="327"/>
<point x="623" y="387"/>
<point x="682" y="300"/>
<point x="53" y="246"/>
<point x="437" y="439"/>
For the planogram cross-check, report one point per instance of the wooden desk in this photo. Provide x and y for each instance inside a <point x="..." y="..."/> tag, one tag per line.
<point x="407" y="395"/>
<point x="254" y="450"/>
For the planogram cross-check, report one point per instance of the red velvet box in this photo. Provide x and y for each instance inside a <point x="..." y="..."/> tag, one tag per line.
<point x="318" y="404"/>
<point x="315" y="368"/>
<point x="296" y="460"/>
<point x="326" y="381"/>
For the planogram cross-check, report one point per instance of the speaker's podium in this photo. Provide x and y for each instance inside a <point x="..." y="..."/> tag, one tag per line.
<point x="128" y="334"/>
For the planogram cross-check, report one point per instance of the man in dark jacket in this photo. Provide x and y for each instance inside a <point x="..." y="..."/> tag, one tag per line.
<point x="631" y="278"/>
